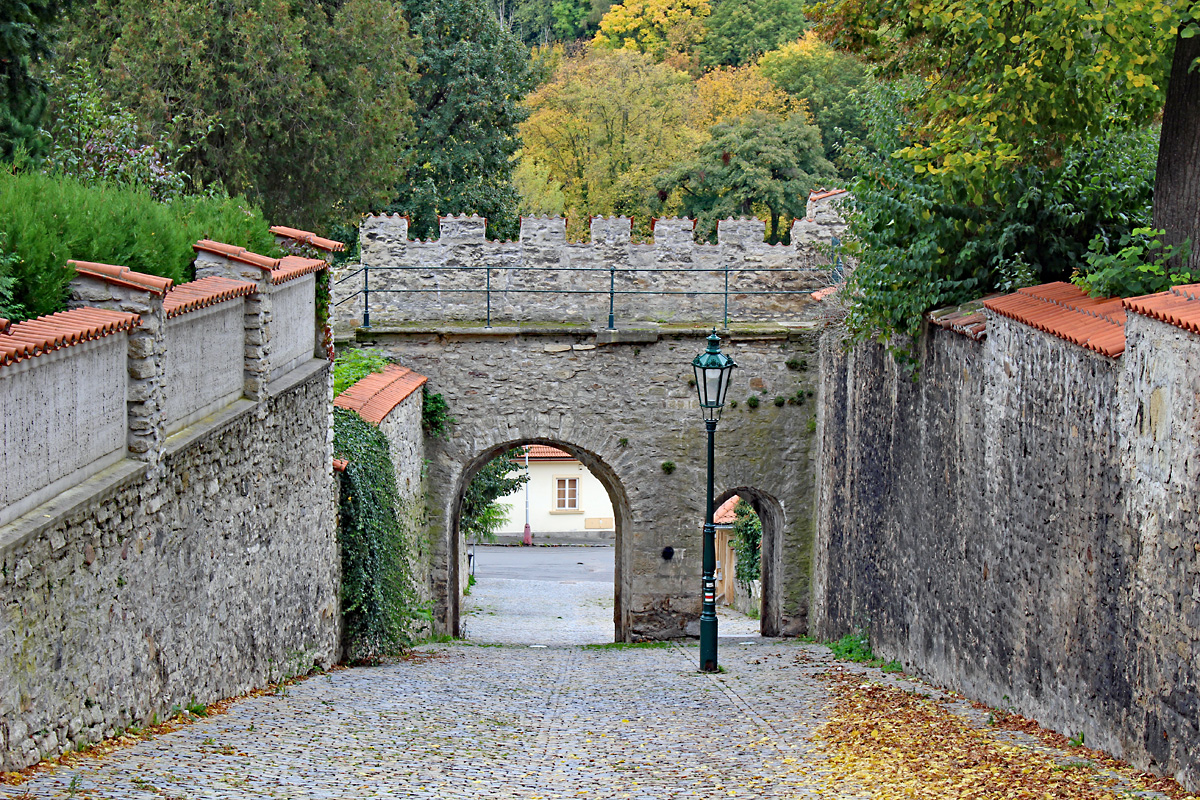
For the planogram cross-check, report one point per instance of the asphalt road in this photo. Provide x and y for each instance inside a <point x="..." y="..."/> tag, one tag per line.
<point x="544" y="563"/>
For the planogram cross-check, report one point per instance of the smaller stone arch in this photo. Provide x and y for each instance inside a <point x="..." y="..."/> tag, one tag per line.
<point x="622" y="523"/>
<point x="770" y="513"/>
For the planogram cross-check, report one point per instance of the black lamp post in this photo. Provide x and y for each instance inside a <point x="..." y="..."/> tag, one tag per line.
<point x="713" y="369"/>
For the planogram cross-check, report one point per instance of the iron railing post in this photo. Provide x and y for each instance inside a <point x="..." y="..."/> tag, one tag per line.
<point x="612" y="282"/>
<point x="489" y="297"/>
<point x="726" y="295"/>
<point x="366" y="297"/>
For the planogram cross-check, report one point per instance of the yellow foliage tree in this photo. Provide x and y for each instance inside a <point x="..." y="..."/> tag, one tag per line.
<point x="727" y="93"/>
<point x="663" y="29"/>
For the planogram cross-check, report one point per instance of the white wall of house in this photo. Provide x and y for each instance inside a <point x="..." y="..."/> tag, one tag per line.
<point x="590" y="521"/>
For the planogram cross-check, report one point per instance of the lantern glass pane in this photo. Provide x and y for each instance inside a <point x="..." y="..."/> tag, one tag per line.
<point x="713" y="378"/>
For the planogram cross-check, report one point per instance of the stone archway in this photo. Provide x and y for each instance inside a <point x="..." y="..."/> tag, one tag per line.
<point x="770" y="513"/>
<point x="621" y="520"/>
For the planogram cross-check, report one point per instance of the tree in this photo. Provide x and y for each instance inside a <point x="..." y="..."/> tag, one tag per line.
<point x="747" y="543"/>
<point x="832" y="84"/>
<point x="729" y="92"/>
<point x="297" y="105"/>
<point x="759" y="163"/>
<point x="471" y="78"/>
<point x="1176" y="181"/>
<point x="601" y="129"/>
<point x="660" y="28"/>
<point x="26" y="35"/>
<point x="739" y="31"/>
<point x="480" y="515"/>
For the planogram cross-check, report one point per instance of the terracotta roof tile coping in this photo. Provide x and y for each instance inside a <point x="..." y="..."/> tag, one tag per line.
<point x="340" y="464"/>
<point x="374" y="397"/>
<point x="282" y="269"/>
<point x="1180" y="306"/>
<point x="1064" y="310"/>
<point x="123" y="276"/>
<point x="725" y="515"/>
<point x="35" y="337"/>
<point x="5" y="325"/>
<point x="204" y="292"/>
<point x="821" y="194"/>
<point x="967" y="319"/>
<point x="309" y="238"/>
<point x="828" y="291"/>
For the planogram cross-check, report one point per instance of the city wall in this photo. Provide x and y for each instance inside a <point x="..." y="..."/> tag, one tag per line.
<point x="1020" y="524"/>
<point x="167" y="502"/>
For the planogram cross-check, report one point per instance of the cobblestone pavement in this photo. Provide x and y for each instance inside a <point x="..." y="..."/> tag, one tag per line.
<point x="471" y="721"/>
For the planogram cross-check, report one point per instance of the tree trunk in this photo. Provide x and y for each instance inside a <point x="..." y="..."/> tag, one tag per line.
<point x="1177" y="177"/>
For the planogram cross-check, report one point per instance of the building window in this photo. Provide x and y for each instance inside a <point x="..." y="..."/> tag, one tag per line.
<point x="566" y="496"/>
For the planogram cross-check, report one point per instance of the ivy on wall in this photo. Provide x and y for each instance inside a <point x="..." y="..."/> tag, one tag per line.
<point x="747" y="543"/>
<point x="376" y="532"/>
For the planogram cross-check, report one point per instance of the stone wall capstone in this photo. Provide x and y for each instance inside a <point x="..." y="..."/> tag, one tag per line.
<point x="1019" y="524"/>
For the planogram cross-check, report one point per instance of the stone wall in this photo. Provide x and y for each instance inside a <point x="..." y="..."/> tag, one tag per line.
<point x="542" y="277"/>
<point x="1019" y="524"/>
<point x="621" y="402"/>
<point x="199" y="564"/>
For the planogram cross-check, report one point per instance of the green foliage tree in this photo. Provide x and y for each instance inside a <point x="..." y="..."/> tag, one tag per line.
<point x="747" y="543"/>
<point x="26" y="35"/>
<point x="924" y="240"/>
<point x="760" y="163"/>
<point x="739" y="31"/>
<point x="600" y="130"/>
<point x="660" y="28"/>
<point x="300" y="106"/>
<point x="471" y="77"/>
<point x="833" y="84"/>
<point x="479" y="516"/>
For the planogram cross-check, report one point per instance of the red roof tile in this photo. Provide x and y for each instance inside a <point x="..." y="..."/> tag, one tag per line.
<point x="828" y="291"/>
<point x="374" y="397"/>
<point x="1179" y="307"/>
<point x="282" y="269"/>
<point x="205" y="292"/>
<point x="340" y="464"/>
<point x="543" y="452"/>
<point x="821" y="194"/>
<point x="4" y="325"/>
<point x="45" y="334"/>
<point x="123" y="276"/>
<point x="725" y="515"/>
<point x="1063" y="310"/>
<point x="967" y="319"/>
<point x="308" y="237"/>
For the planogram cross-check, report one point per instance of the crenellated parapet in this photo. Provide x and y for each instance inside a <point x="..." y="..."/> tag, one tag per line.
<point x="543" y="277"/>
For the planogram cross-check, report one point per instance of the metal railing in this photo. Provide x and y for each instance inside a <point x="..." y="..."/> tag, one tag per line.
<point x="835" y="275"/>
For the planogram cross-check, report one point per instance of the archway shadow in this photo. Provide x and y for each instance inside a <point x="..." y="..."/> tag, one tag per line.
<point x="621" y="522"/>
<point x="770" y="513"/>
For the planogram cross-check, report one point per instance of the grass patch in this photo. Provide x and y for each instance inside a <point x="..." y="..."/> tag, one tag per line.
<point x="856" y="647"/>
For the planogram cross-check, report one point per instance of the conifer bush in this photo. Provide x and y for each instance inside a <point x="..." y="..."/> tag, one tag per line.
<point x="50" y="219"/>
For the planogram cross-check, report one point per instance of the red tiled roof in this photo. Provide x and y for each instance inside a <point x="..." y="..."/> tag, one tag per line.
<point x="725" y="514"/>
<point x="340" y="464"/>
<point x="821" y="194"/>
<point x="5" y="325"/>
<point x="308" y="237"/>
<point x="45" y="334"/>
<point x="123" y="276"/>
<point x="828" y="291"/>
<point x="1063" y="310"/>
<point x="967" y="319"/>
<point x="544" y="452"/>
<point x="1179" y="307"/>
<point x="374" y="397"/>
<point x="205" y="292"/>
<point x="282" y="269"/>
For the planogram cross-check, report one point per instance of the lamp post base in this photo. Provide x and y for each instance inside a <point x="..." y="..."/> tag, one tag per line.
<point x="708" y="644"/>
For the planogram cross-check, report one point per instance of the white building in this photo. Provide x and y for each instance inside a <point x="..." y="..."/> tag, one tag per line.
<point x="567" y="504"/>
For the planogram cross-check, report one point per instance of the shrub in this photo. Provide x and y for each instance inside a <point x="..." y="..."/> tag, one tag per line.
<point x="747" y="543"/>
<point x="353" y="364"/>
<point x="49" y="220"/>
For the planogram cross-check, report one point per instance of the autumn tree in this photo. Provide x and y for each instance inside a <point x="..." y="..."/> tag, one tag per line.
<point x="27" y="34"/>
<point x="739" y="31"/>
<point x="603" y="128"/>
<point x="728" y="92"/>
<point x="298" y="106"/>
<point x="758" y="164"/>
<point x="832" y="85"/>
<point x="471" y="77"/>
<point x="666" y="30"/>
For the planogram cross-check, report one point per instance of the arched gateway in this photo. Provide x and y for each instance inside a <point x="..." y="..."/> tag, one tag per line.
<point x="622" y="403"/>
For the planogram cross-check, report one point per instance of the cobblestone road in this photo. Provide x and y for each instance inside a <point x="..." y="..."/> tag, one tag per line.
<point x="471" y="721"/>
